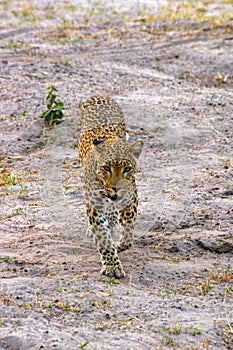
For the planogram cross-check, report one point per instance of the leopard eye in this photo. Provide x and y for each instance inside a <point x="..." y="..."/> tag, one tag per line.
<point x="127" y="169"/>
<point x="107" y="168"/>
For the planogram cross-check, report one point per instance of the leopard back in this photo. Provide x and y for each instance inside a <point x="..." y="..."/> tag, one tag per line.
<point x="101" y="118"/>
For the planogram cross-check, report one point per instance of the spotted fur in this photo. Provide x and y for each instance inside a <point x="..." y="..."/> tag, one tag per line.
<point x="109" y="166"/>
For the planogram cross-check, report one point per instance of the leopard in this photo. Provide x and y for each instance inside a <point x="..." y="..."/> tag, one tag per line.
<point x="109" y="164"/>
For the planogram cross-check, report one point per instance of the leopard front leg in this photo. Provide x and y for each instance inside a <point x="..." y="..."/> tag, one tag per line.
<point x="111" y="265"/>
<point x="127" y="217"/>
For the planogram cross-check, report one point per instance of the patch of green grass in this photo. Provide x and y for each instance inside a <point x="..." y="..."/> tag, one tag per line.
<point x="165" y="294"/>
<point x="192" y="330"/>
<point x="12" y="179"/>
<point x="9" y="179"/>
<point x="49" y="15"/>
<point x="26" y="13"/>
<point x="19" y="211"/>
<point x="197" y="11"/>
<point x="166" y="338"/>
<point x="57" y="191"/>
<point x="66" y="63"/>
<point x="6" y="259"/>
<point x="70" y="7"/>
<point x="177" y="328"/>
<point x="5" y="4"/>
<point x="215" y="276"/>
<point x="228" y="293"/>
<point x="67" y="307"/>
<point x="54" y="112"/>
<point x="112" y="280"/>
<point x="158" y="128"/>
<point x="23" y="192"/>
<point x="13" y="44"/>
<point x="7" y="191"/>
<point x="84" y="344"/>
<point x="168" y="333"/>
<point x="41" y="144"/>
<point x="206" y="286"/>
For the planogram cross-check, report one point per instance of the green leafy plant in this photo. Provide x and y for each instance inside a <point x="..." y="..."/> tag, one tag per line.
<point x="112" y="280"/>
<point x="9" y="179"/>
<point x="6" y="259"/>
<point x="54" y="112"/>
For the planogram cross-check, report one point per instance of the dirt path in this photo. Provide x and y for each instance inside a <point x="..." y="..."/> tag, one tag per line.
<point x="173" y="78"/>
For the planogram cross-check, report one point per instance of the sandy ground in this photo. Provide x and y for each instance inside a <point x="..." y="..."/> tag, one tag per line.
<point x="173" y="79"/>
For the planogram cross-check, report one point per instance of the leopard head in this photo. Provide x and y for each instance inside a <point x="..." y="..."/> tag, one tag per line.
<point x="116" y="165"/>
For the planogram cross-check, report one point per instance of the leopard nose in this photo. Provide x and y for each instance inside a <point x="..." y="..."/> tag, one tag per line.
<point x="114" y="196"/>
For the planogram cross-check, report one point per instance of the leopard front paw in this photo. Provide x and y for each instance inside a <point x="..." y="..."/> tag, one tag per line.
<point x="113" y="271"/>
<point x="123" y="246"/>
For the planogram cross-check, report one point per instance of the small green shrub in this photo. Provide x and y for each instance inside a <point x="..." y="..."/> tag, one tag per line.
<point x="54" y="113"/>
<point x="6" y="259"/>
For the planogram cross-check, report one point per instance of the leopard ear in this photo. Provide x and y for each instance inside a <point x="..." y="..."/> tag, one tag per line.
<point x="99" y="144"/>
<point x="136" y="148"/>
